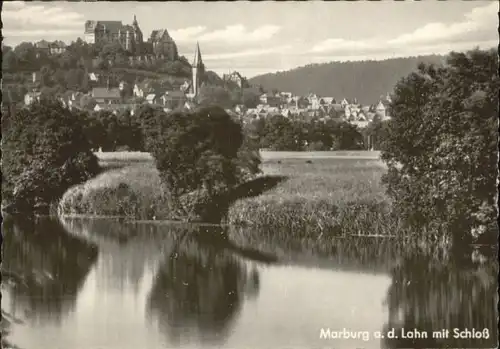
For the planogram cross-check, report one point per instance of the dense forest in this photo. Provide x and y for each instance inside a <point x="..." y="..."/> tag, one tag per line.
<point x="366" y="80"/>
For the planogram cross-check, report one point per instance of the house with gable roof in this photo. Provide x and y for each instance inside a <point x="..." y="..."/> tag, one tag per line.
<point x="106" y="95"/>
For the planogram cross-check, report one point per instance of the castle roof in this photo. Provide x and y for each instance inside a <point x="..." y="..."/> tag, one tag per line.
<point x="160" y="35"/>
<point x="112" y="26"/>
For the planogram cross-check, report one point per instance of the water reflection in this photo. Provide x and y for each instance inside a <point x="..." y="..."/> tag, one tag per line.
<point x="52" y="264"/>
<point x="136" y="285"/>
<point x="200" y="286"/>
<point x="128" y="252"/>
<point x="443" y="294"/>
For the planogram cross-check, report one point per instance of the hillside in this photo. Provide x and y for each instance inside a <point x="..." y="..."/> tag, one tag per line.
<point x="364" y="80"/>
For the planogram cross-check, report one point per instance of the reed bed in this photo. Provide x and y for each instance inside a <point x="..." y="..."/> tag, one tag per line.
<point x="323" y="197"/>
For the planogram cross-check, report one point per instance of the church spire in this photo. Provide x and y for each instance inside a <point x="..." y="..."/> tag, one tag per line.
<point x="197" y="70"/>
<point x="135" y="21"/>
<point x="197" y="56"/>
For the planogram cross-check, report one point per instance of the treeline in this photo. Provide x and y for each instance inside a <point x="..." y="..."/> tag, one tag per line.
<point x="283" y="134"/>
<point x="124" y="131"/>
<point x="57" y="73"/>
<point x="365" y="80"/>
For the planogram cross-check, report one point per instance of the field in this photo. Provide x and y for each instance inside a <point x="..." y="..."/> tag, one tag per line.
<point x="116" y="158"/>
<point x="326" y="194"/>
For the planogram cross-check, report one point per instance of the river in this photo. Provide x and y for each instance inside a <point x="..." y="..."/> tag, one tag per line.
<point x="103" y="283"/>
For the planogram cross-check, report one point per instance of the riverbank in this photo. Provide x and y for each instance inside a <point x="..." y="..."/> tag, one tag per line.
<point x="327" y="193"/>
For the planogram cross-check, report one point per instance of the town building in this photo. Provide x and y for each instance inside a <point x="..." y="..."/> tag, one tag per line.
<point x="57" y="47"/>
<point x="162" y="44"/>
<point x="31" y="97"/>
<point x="173" y="99"/>
<point x="43" y="46"/>
<point x="313" y="101"/>
<point x="235" y="78"/>
<point x="270" y="99"/>
<point x="106" y="95"/>
<point x="50" y="48"/>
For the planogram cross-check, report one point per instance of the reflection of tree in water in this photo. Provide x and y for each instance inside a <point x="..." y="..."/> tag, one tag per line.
<point x="126" y="250"/>
<point x="51" y="263"/>
<point x="430" y="295"/>
<point x="200" y="287"/>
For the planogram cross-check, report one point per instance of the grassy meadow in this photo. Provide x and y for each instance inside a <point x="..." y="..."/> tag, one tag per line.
<point x="327" y="194"/>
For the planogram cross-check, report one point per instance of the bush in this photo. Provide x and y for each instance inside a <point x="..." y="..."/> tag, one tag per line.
<point x="44" y="153"/>
<point x="197" y="156"/>
<point x="441" y="146"/>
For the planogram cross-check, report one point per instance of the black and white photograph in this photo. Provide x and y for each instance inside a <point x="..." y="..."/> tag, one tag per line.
<point x="249" y="175"/>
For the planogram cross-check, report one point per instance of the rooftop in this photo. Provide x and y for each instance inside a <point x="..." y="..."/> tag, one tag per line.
<point x="103" y="92"/>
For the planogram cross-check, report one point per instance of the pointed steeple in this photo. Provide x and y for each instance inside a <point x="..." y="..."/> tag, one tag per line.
<point x="197" y="56"/>
<point x="135" y="21"/>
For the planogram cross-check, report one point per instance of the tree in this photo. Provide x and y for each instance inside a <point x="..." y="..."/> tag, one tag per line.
<point x="214" y="95"/>
<point x="44" y="153"/>
<point x="130" y="131"/>
<point x="93" y="129"/>
<point x="26" y="55"/>
<point x="282" y="134"/>
<point x="347" y="136"/>
<point x="111" y="126"/>
<point x="319" y="136"/>
<point x="149" y="118"/>
<point x="196" y="156"/>
<point x="374" y="134"/>
<point x="87" y="103"/>
<point x="441" y="147"/>
<point x="250" y="97"/>
<point x="9" y="61"/>
<point x="46" y="76"/>
<point x="112" y="51"/>
<point x="176" y="68"/>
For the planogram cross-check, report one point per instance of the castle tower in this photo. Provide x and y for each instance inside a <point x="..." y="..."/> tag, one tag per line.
<point x="198" y="70"/>
<point x="137" y="38"/>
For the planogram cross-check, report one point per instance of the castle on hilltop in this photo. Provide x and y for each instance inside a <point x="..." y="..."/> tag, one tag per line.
<point x="130" y="37"/>
<point x="159" y="44"/>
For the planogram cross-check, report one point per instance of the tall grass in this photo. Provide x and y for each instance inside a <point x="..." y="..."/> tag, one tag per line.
<point x="326" y="197"/>
<point x="323" y="197"/>
<point x="131" y="191"/>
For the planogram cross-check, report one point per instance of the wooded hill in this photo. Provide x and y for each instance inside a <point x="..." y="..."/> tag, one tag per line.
<point x="365" y="80"/>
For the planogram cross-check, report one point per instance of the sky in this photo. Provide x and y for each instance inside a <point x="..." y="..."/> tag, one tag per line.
<point x="262" y="37"/>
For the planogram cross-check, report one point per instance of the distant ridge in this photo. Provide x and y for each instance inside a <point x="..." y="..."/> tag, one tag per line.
<point x="365" y="80"/>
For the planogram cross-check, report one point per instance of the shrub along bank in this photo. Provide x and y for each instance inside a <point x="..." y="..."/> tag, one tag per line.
<point x="44" y="152"/>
